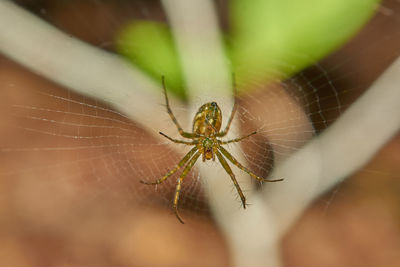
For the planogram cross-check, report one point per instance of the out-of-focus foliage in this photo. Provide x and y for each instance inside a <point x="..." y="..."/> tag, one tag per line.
<point x="268" y="38"/>
<point x="150" y="46"/>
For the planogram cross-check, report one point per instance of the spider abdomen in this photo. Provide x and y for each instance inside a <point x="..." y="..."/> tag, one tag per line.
<point x="208" y="119"/>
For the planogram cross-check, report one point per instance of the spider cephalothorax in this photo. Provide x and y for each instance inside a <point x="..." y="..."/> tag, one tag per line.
<point x="206" y="129"/>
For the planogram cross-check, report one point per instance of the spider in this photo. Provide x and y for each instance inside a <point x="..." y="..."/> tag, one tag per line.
<point x="205" y="132"/>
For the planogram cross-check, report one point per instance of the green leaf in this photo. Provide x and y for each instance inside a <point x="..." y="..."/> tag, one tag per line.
<point x="269" y="39"/>
<point x="149" y="45"/>
<point x="277" y="38"/>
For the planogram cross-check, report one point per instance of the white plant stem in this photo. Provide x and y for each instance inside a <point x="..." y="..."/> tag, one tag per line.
<point x="339" y="151"/>
<point x="199" y="43"/>
<point x="196" y="32"/>
<point x="81" y="67"/>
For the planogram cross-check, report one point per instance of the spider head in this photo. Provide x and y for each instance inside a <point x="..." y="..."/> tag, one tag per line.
<point x="208" y="144"/>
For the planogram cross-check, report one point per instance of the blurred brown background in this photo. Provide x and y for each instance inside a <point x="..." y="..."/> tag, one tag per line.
<point x="69" y="222"/>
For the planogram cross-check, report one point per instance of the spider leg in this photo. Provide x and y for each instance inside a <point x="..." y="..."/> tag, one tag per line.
<point x="172" y="116"/>
<point x="178" y="141"/>
<point x="229" y="171"/>
<point x="188" y="167"/>
<point x="236" y="139"/>
<point x="240" y="166"/>
<point x="228" y="125"/>
<point x="180" y="164"/>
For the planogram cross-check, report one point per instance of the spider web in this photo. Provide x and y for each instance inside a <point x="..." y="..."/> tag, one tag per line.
<point x="62" y="152"/>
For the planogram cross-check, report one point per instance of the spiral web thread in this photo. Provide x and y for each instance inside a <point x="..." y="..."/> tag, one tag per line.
<point x="72" y="150"/>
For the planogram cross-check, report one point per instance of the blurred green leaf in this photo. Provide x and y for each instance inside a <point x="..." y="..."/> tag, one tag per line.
<point x="269" y="39"/>
<point x="277" y="38"/>
<point x="150" y="46"/>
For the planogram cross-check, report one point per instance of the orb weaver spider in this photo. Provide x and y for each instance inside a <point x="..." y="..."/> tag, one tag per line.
<point x="206" y="128"/>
